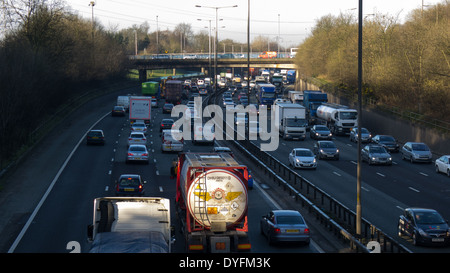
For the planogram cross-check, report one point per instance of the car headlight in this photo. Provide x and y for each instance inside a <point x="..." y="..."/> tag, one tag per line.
<point x="374" y="158"/>
<point x="297" y="160"/>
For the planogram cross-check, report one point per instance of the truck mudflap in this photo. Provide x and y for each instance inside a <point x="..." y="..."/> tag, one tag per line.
<point x="210" y="242"/>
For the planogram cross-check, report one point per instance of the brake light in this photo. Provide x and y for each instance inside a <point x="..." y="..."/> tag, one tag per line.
<point x="277" y="230"/>
<point x="306" y="231"/>
<point x="140" y="188"/>
<point x="145" y="154"/>
<point x="130" y="154"/>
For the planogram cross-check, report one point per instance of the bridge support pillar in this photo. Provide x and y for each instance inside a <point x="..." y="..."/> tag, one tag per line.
<point x="174" y="72"/>
<point x="142" y="75"/>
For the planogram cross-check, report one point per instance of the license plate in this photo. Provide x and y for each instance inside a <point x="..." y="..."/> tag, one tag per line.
<point x="291" y="230"/>
<point x="128" y="189"/>
<point x="437" y="240"/>
<point x="95" y="137"/>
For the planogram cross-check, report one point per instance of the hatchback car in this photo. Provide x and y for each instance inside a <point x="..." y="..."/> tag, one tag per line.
<point x="376" y="154"/>
<point x="130" y="184"/>
<point x="325" y="149"/>
<point x="442" y="164"/>
<point x="424" y="226"/>
<point x="302" y="158"/>
<point x="365" y="135"/>
<point x="416" y="152"/>
<point x="137" y="153"/>
<point x="95" y="137"/>
<point x="166" y="124"/>
<point x="139" y="127"/>
<point x="137" y="138"/>
<point x="388" y="142"/>
<point x="167" y="108"/>
<point x="320" y="132"/>
<point x="170" y="144"/>
<point x="118" y="111"/>
<point x="285" y="226"/>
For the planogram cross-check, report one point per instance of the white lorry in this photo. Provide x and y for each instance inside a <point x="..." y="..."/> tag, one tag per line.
<point x="338" y="118"/>
<point x="296" y="96"/>
<point x="123" y="101"/>
<point x="140" y="109"/>
<point x="130" y="225"/>
<point x="292" y="120"/>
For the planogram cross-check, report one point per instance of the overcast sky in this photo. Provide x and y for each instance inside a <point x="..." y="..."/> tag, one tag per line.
<point x="292" y="18"/>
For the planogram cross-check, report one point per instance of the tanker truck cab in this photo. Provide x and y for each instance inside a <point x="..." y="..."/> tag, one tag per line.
<point x="339" y="118"/>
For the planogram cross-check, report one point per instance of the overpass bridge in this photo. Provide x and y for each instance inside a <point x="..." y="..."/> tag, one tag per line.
<point x="151" y="62"/>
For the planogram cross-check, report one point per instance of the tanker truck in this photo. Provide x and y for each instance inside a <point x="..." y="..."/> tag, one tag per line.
<point x="338" y="118"/>
<point x="211" y="203"/>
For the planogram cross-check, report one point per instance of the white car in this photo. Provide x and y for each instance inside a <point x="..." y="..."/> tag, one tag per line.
<point x="154" y="103"/>
<point x="137" y="138"/>
<point x="443" y="164"/>
<point x="139" y="127"/>
<point x="302" y="158"/>
<point x="137" y="153"/>
<point x="170" y="144"/>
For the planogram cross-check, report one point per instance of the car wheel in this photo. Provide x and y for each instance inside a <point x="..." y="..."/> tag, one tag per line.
<point x="437" y="168"/>
<point x="414" y="238"/>
<point x="411" y="159"/>
<point x="448" y="172"/>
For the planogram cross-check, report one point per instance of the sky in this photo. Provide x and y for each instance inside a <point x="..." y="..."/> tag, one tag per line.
<point x="291" y="20"/>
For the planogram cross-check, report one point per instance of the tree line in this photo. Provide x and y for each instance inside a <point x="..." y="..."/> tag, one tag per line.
<point x="48" y="56"/>
<point x="404" y="64"/>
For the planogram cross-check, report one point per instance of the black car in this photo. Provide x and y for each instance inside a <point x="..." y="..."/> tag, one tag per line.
<point x="95" y="137"/>
<point x="166" y="124"/>
<point x="167" y="108"/>
<point x="118" y="111"/>
<point x="387" y="142"/>
<point x="130" y="184"/>
<point x="424" y="226"/>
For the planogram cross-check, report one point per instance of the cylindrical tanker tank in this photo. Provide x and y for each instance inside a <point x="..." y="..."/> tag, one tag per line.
<point x="213" y="189"/>
<point x="326" y="112"/>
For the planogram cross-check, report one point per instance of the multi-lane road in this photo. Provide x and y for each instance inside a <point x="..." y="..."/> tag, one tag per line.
<point x="58" y="183"/>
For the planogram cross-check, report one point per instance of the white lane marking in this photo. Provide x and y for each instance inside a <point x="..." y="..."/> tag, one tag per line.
<point x="44" y="197"/>
<point x="380" y="174"/>
<point x="424" y="174"/>
<point x="411" y="188"/>
<point x="338" y="174"/>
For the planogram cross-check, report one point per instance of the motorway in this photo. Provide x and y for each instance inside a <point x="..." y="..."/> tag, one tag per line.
<point x="89" y="172"/>
<point x="83" y="173"/>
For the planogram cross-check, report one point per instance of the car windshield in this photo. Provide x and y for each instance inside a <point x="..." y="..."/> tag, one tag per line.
<point x="328" y="145"/>
<point x="364" y="131"/>
<point x="137" y="136"/>
<point x="95" y="134"/>
<point x="386" y="138"/>
<point x="420" y="147"/>
<point x="377" y="150"/>
<point x="268" y="95"/>
<point x="303" y="153"/>
<point x="429" y="218"/>
<point x="129" y="181"/>
<point x="290" y="220"/>
<point x="321" y="128"/>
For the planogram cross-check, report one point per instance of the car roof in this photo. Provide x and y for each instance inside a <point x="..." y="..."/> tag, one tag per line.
<point x="421" y="209"/>
<point x="286" y="213"/>
<point x="129" y="175"/>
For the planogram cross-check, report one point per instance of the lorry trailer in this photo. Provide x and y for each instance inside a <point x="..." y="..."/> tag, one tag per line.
<point x="211" y="202"/>
<point x="130" y="225"/>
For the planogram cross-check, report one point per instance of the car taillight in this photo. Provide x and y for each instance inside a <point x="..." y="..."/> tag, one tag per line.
<point x="140" y="188"/>
<point x="277" y="230"/>
<point x="130" y="154"/>
<point x="145" y="154"/>
<point x="306" y="231"/>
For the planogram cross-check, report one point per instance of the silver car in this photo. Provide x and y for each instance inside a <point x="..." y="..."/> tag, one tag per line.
<point x="285" y="226"/>
<point x="376" y="154"/>
<point x="302" y="158"/>
<point x="416" y="152"/>
<point x="137" y="153"/>
<point x="137" y="138"/>
<point x="139" y="127"/>
<point x="326" y="149"/>
<point x="365" y="135"/>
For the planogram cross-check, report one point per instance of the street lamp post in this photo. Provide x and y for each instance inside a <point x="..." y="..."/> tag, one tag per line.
<point x="216" y="41"/>
<point x="358" y="170"/>
<point x="209" y="46"/>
